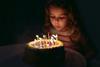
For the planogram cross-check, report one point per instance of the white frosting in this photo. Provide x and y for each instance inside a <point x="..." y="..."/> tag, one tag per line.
<point x="45" y="44"/>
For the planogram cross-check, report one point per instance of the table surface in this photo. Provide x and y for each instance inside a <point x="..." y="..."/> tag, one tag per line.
<point x="11" y="55"/>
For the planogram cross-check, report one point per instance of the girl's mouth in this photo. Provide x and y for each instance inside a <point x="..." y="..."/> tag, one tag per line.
<point x="57" y="26"/>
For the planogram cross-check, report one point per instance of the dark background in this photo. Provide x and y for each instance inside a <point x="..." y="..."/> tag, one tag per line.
<point x="19" y="16"/>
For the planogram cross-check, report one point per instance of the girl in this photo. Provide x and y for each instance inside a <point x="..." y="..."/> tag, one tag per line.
<point x="60" y="21"/>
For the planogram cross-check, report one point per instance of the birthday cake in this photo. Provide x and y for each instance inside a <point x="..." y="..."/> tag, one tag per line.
<point x="44" y="52"/>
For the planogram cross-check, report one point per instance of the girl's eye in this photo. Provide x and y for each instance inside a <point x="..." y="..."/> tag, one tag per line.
<point x="62" y="17"/>
<point x="52" y="17"/>
<point x="59" y="18"/>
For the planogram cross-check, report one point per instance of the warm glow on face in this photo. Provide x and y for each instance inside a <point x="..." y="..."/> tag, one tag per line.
<point x="58" y="18"/>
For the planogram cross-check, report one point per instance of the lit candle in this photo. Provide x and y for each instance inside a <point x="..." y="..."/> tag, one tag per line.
<point x="44" y="36"/>
<point x="48" y="35"/>
<point x="40" y="41"/>
<point x="55" y="37"/>
<point x="37" y="36"/>
<point x="52" y="40"/>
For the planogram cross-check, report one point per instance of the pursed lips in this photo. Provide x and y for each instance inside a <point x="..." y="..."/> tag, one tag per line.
<point x="57" y="26"/>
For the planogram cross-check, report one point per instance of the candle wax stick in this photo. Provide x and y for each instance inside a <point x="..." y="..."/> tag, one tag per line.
<point x="56" y="37"/>
<point x="48" y="35"/>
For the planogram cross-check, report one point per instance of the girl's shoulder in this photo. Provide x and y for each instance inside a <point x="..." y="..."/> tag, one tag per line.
<point x="76" y="34"/>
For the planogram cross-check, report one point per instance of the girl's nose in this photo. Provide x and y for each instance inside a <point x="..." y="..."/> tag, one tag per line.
<point x="57" y="20"/>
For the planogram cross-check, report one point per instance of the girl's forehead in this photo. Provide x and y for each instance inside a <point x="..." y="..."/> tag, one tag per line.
<point x="57" y="11"/>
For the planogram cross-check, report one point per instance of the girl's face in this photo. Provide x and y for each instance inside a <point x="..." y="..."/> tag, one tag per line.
<point x="58" y="18"/>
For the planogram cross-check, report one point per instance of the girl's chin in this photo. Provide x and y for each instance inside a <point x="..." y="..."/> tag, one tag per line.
<point x="59" y="29"/>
